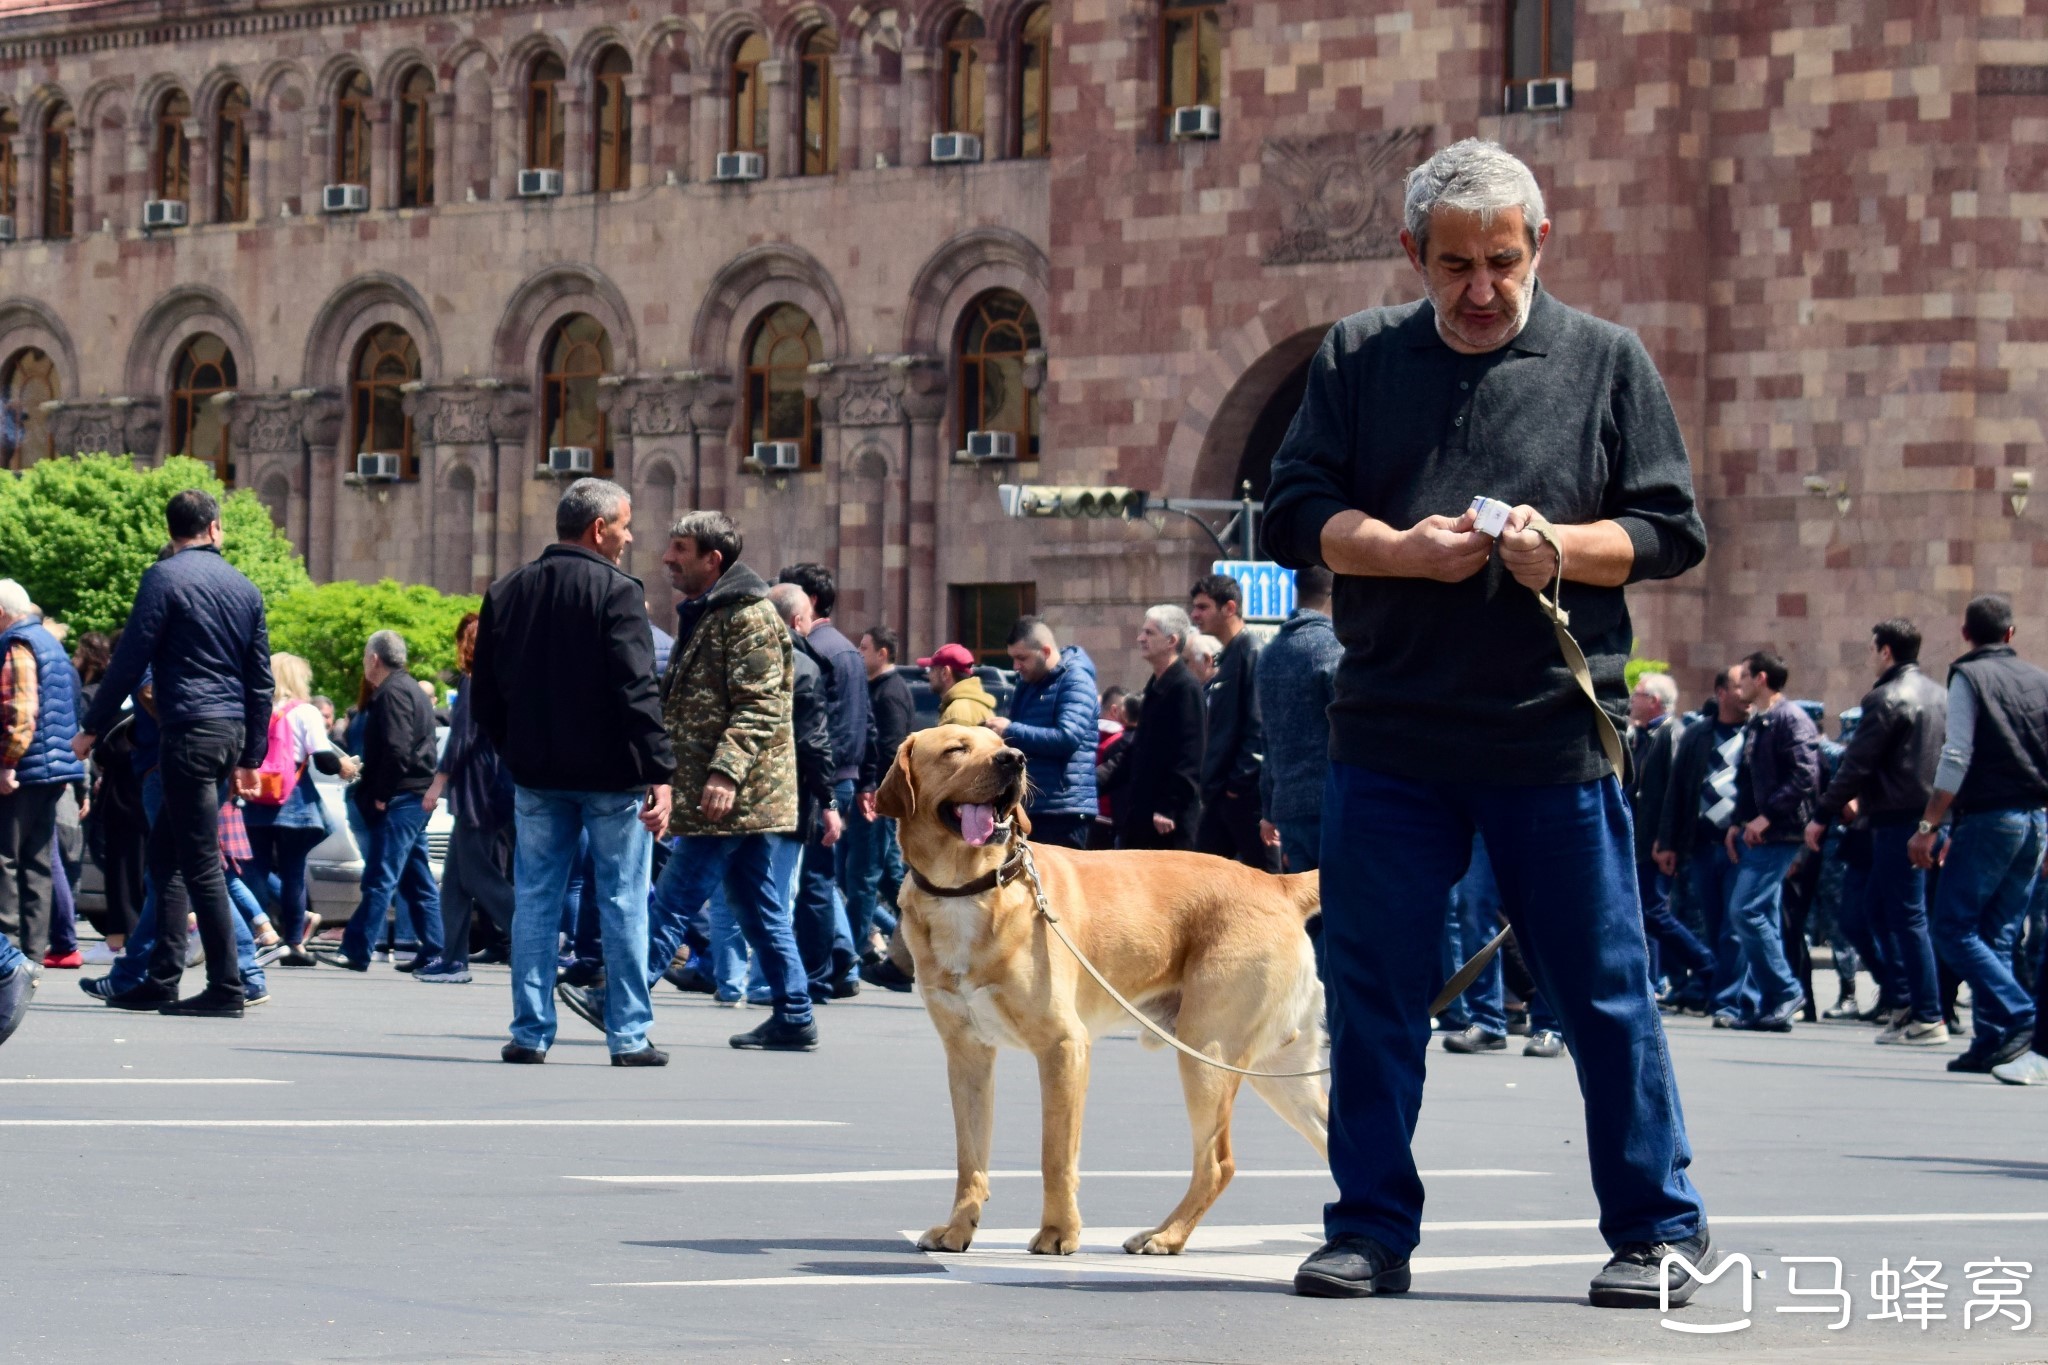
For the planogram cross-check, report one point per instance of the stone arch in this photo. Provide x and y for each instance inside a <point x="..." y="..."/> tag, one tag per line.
<point x="543" y="300"/>
<point x="659" y="491"/>
<point x="34" y="109"/>
<point x="455" y="530"/>
<point x="591" y="45"/>
<point x="672" y="36"/>
<point x="723" y="38"/>
<point x="399" y="65"/>
<point x="882" y="30"/>
<point x="365" y="302"/>
<point x="152" y="94"/>
<point x="458" y="56"/>
<point x="211" y="91"/>
<point x="519" y="59"/>
<point x="790" y="30"/>
<point x="930" y="19"/>
<point x="964" y="268"/>
<point x="1237" y="380"/>
<point x="469" y="73"/>
<point x="173" y="320"/>
<point x="749" y="285"/>
<point x="96" y="102"/>
<point x="26" y="322"/>
<point x="274" y="491"/>
<point x="268" y="81"/>
<point x="327" y="85"/>
<point x="869" y="460"/>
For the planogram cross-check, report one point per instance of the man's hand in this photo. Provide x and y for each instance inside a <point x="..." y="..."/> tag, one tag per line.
<point x="1753" y="832"/>
<point x="1728" y="841"/>
<point x="719" y="794"/>
<point x="997" y="723"/>
<point x="1525" y="554"/>
<point x="1920" y="849"/>
<point x="1162" y="824"/>
<point x="351" y="767"/>
<point x="432" y="797"/>
<point x="1269" y="834"/>
<point x="1445" y="549"/>
<point x="248" y="783"/>
<point x="81" y="745"/>
<point x="1665" y="859"/>
<point x="834" y="827"/>
<point x="867" y="806"/>
<point x="655" y="810"/>
<point x="1815" y="832"/>
<point x="8" y="784"/>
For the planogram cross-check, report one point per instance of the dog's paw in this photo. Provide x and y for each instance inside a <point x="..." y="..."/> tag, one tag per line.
<point x="1053" y="1241"/>
<point x="946" y="1237"/>
<point x="1154" y="1243"/>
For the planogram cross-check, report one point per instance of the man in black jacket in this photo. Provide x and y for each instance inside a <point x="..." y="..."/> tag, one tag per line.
<point x="1888" y="771"/>
<point x="1692" y="825"/>
<point x="199" y="625"/>
<point x="398" y="767"/>
<point x="1654" y="731"/>
<point x="564" y="686"/>
<point x="1775" y="791"/>
<point x="1236" y="744"/>
<point x="875" y="862"/>
<point x="1161" y="807"/>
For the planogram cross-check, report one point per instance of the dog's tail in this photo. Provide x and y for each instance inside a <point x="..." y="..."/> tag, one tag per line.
<point x="1306" y="890"/>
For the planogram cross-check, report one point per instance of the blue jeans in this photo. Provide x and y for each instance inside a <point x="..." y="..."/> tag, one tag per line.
<point x="1986" y="886"/>
<point x="824" y="935"/>
<point x="1896" y="902"/>
<point x="549" y="823"/>
<point x="1756" y="910"/>
<point x="10" y="956"/>
<point x="1565" y="863"/>
<point x="1875" y="946"/>
<point x="395" y="861"/>
<point x="1473" y="921"/>
<point x="281" y="852"/>
<point x="404" y="918"/>
<point x="755" y="871"/>
<point x="874" y="874"/>
<point x="1729" y="989"/>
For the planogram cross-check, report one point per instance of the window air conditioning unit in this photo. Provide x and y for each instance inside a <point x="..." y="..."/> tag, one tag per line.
<point x="344" y="198"/>
<point x="952" y="149"/>
<point x="739" y="166"/>
<point x="1197" y="121"/>
<point x="775" y="455"/>
<point x="539" y="184"/>
<point x="377" y="467"/>
<point x="1555" y="93"/>
<point x="571" y="460"/>
<point x="6" y="228"/>
<point x="163" y="213"/>
<point x="989" y="446"/>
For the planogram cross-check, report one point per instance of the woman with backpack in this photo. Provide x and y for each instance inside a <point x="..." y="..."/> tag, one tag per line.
<point x="286" y="818"/>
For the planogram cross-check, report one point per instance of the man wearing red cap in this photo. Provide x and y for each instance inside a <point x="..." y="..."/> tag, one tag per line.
<point x="962" y="698"/>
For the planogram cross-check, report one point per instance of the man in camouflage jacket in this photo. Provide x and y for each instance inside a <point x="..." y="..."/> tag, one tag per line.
<point x="726" y="700"/>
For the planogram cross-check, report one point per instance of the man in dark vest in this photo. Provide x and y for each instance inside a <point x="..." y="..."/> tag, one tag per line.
<point x="38" y="720"/>
<point x="1992" y="787"/>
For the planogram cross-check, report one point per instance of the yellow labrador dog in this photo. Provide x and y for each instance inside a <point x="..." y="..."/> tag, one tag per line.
<point x="1212" y="950"/>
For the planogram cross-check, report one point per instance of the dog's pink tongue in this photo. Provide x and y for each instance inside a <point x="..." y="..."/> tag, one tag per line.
<point x="977" y="824"/>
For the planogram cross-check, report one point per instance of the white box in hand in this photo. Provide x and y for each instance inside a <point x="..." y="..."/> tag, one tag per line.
<point x="1490" y="517"/>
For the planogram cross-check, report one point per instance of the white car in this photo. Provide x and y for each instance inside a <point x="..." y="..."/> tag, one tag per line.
<point x="334" y="870"/>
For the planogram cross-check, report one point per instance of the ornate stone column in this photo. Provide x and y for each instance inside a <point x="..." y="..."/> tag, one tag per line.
<point x="383" y="154"/>
<point x="85" y="198"/>
<point x="117" y="426"/>
<point x="707" y="123"/>
<point x="995" y="107"/>
<point x="712" y="398"/>
<point x="446" y="191"/>
<point x="28" y="186"/>
<point x="864" y="427"/>
<point x="508" y="412"/>
<point x="640" y="107"/>
<point x="919" y="384"/>
<point x="508" y="134"/>
<point x="200" y="170"/>
<point x="579" y="141"/>
<point x="320" y="413"/>
<point x="781" y="151"/>
<point x="264" y="431"/>
<point x="256" y="123"/>
<point x="920" y="107"/>
<point x="137" y="184"/>
<point x="848" y="80"/>
<point x="451" y="423"/>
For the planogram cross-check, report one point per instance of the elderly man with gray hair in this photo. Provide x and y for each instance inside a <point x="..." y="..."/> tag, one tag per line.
<point x="1162" y="805"/>
<point x="1461" y="706"/>
<point x="399" y="754"/>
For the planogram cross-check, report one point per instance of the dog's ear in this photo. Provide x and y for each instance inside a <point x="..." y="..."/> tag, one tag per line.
<point x="897" y="796"/>
<point x="1023" y="820"/>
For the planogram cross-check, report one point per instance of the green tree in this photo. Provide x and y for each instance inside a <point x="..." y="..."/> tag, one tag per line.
<point x="78" y="534"/>
<point x="329" y="624"/>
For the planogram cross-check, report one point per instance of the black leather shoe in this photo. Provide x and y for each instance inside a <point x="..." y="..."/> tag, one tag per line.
<point x="689" y="979"/>
<point x="16" y="990"/>
<point x="1351" y="1267"/>
<point x="584" y="971"/>
<point x="776" y="1034"/>
<point x="490" y="955"/>
<point x="845" y="987"/>
<point x="208" y="1004"/>
<point x="585" y="1002"/>
<point x="2015" y="1045"/>
<point x="888" y="976"/>
<point x="1631" y="1279"/>
<point x="522" y="1056"/>
<point x="646" y="1056"/>
<point x="142" y="998"/>
<point x="1475" y="1039"/>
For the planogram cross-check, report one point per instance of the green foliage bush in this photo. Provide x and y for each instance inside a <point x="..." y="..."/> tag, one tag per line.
<point x="328" y="625"/>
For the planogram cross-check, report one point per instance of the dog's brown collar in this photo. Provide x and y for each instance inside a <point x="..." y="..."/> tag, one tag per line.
<point x="1011" y="868"/>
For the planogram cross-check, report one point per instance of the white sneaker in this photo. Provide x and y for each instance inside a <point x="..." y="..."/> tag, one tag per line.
<point x="1912" y="1033"/>
<point x="99" y="955"/>
<point x="2029" y="1068"/>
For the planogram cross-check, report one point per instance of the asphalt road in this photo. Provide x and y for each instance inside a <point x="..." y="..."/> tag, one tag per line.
<point x="350" y="1174"/>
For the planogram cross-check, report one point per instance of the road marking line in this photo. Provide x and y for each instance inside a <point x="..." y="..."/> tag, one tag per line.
<point x="894" y="1277"/>
<point x="899" y="1177"/>
<point x="138" y="1080"/>
<point x="420" y="1123"/>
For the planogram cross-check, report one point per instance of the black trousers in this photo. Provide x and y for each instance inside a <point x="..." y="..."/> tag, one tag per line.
<point x="477" y="875"/>
<point x="1230" y="829"/>
<point x="184" y="855"/>
<point x="28" y="829"/>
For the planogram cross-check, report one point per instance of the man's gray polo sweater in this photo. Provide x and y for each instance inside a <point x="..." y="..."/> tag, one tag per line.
<point x="1464" y="681"/>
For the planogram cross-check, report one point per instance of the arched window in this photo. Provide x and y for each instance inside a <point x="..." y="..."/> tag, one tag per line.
<point x="614" y="119"/>
<point x="385" y="361"/>
<point x="820" y="112"/>
<point x="1000" y="328"/>
<point x="416" y="139"/>
<point x="171" y="165"/>
<point x="30" y="382"/>
<point x="1034" y="84"/>
<point x="785" y="345"/>
<point x="199" y="428"/>
<point x="545" y="130"/>
<point x="577" y="355"/>
<point x="9" y="127"/>
<point x="57" y="171"/>
<point x="1191" y="56"/>
<point x="963" y="98"/>
<point x="749" y="132"/>
<point x="352" y="131"/>
<point x="231" y="139"/>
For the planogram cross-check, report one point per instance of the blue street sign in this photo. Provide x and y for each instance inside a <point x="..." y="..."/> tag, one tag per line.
<point x="1268" y="589"/>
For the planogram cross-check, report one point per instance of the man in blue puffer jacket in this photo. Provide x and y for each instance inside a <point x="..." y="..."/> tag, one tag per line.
<point x="1052" y="721"/>
<point x="38" y="718"/>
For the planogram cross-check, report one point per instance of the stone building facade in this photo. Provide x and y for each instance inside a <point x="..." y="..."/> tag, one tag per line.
<point x="1825" y="219"/>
